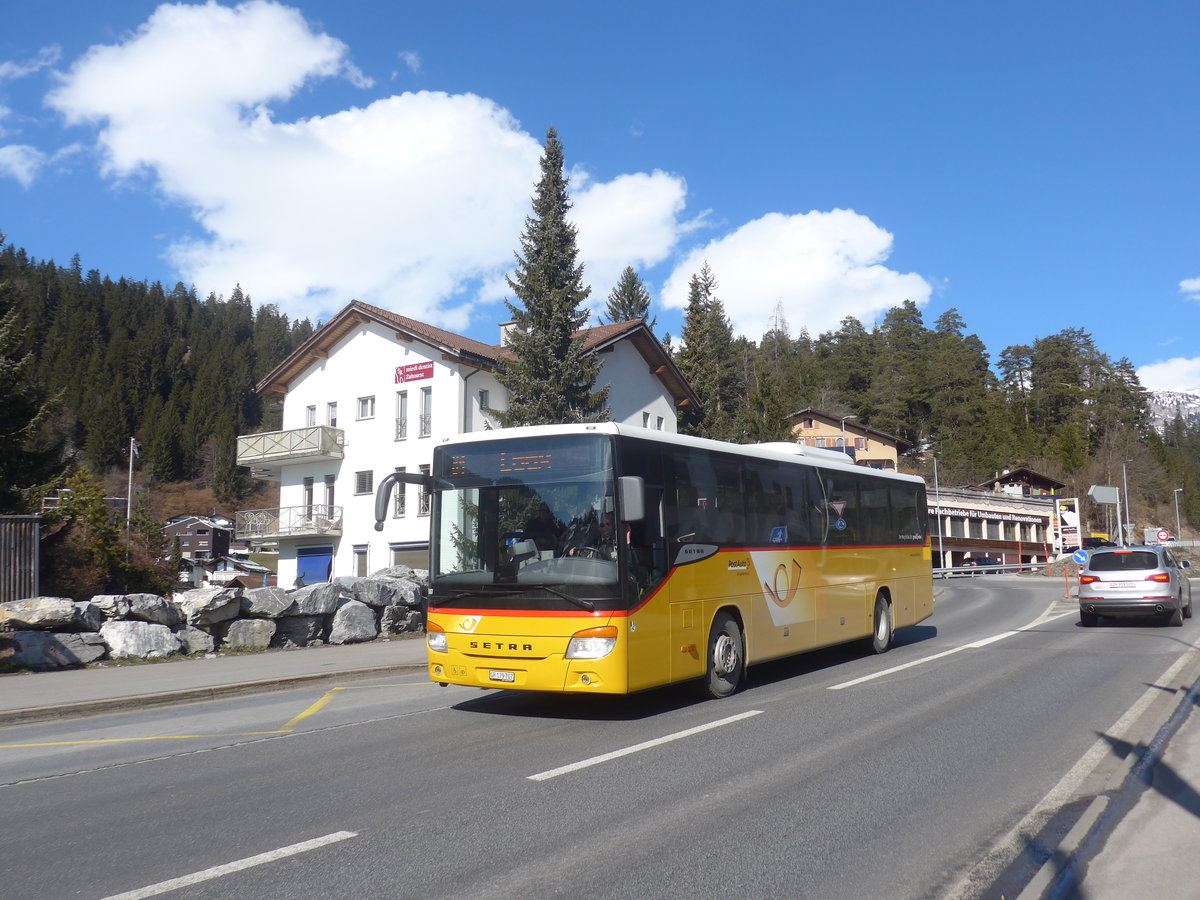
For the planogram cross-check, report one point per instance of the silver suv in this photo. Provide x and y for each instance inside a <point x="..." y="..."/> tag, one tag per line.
<point x="1134" y="581"/>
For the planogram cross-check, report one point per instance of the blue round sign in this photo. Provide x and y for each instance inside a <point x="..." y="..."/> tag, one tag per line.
<point x="1080" y="556"/>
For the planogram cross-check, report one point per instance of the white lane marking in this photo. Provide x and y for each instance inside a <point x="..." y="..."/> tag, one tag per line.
<point x="616" y="754"/>
<point x="249" y="862"/>
<point x="974" y="645"/>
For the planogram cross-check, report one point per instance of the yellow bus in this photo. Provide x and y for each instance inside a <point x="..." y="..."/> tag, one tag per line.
<point x="608" y="559"/>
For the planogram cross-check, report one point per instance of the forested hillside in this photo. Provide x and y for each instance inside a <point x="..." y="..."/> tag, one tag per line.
<point x="87" y="362"/>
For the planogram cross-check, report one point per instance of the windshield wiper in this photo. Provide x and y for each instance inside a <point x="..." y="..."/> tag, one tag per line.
<point x="578" y="601"/>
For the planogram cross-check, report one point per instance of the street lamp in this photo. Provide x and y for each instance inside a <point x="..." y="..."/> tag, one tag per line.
<point x="1178" y="530"/>
<point x="844" y="418"/>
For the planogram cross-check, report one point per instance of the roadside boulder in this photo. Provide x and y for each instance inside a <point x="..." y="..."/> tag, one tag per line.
<point x="114" y="606"/>
<point x="88" y="616"/>
<point x="139" y="640"/>
<point x="314" y="600"/>
<point x="205" y="606"/>
<point x="265" y="602"/>
<point x="249" y="634"/>
<point x="193" y="640"/>
<point x="401" y="620"/>
<point x="53" y="650"/>
<point x="153" y="608"/>
<point x="353" y="623"/>
<point x="298" y="631"/>
<point x="47" y="613"/>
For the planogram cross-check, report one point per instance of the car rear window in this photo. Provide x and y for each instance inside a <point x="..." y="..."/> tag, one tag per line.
<point x="1120" y="562"/>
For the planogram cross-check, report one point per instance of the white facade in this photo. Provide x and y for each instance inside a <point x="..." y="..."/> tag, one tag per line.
<point x="394" y="396"/>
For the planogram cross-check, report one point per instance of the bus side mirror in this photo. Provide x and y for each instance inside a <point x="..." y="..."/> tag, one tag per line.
<point x="632" y="491"/>
<point x="383" y="493"/>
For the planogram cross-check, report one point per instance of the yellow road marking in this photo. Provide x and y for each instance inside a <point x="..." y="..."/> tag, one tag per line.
<point x="287" y="728"/>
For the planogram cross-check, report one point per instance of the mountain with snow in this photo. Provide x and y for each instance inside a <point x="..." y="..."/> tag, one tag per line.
<point x="1164" y="404"/>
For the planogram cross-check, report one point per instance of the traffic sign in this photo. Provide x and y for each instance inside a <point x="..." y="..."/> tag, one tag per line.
<point x="1163" y="535"/>
<point x="1080" y="556"/>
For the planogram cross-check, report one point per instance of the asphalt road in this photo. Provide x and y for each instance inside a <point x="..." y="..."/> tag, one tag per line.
<point x="837" y="774"/>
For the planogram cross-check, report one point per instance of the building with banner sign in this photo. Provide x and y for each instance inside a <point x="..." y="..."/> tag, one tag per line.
<point x="370" y="393"/>
<point x="1011" y="518"/>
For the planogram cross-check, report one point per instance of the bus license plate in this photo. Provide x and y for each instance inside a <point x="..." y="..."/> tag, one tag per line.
<point x="495" y="675"/>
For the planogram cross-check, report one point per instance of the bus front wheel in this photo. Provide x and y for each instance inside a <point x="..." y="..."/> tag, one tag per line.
<point x="726" y="657"/>
<point x="881" y="637"/>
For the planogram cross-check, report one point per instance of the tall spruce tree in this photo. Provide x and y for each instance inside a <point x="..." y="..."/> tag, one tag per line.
<point x="549" y="378"/>
<point x="628" y="300"/>
<point x="710" y="363"/>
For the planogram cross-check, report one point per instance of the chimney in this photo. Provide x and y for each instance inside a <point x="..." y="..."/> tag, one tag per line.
<point x="505" y="329"/>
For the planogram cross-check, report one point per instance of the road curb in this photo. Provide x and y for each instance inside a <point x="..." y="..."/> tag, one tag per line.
<point x="193" y="695"/>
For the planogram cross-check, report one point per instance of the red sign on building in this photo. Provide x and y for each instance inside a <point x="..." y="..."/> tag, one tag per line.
<point x="414" y="372"/>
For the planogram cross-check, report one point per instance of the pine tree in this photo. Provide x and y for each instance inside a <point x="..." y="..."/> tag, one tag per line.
<point x="548" y="376"/>
<point x="628" y="300"/>
<point x="710" y="363"/>
<point x="29" y="456"/>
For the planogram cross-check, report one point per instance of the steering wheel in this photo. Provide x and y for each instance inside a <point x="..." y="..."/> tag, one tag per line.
<point x="588" y="553"/>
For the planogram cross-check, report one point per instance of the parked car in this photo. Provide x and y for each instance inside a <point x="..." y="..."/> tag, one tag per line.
<point x="1091" y="543"/>
<point x="1134" y="581"/>
<point x="983" y="561"/>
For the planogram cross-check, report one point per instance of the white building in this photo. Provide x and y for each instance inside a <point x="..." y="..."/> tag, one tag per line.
<point x="371" y="392"/>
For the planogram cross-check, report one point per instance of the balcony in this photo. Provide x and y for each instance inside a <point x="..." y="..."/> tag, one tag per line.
<point x="265" y="453"/>
<point x="262" y="525"/>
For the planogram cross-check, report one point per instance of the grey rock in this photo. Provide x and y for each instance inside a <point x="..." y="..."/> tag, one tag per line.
<point x="249" y="634"/>
<point x="353" y="623"/>
<point x="298" y="631"/>
<point x="114" y="606"/>
<point x="139" y="640"/>
<point x="194" y="640"/>
<point x="265" y="602"/>
<point x="39" y="613"/>
<point x="401" y="620"/>
<point x="204" y="606"/>
<point x="153" y="608"/>
<point x="88" y="616"/>
<point x="52" y="650"/>
<point x="314" y="600"/>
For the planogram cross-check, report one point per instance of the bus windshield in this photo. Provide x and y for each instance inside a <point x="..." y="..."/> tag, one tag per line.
<point x="537" y="512"/>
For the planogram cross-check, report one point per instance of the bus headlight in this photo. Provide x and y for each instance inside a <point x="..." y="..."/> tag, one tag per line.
<point x="435" y="637"/>
<point x="592" y="643"/>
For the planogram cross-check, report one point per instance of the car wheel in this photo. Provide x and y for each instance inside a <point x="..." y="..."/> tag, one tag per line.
<point x="1187" y="610"/>
<point x="1175" y="618"/>
<point x="1088" y="619"/>
<point x="726" y="657"/>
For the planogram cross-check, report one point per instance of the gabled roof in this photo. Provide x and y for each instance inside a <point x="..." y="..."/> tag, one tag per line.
<point x="851" y="425"/>
<point x="457" y="348"/>
<point x="1022" y="475"/>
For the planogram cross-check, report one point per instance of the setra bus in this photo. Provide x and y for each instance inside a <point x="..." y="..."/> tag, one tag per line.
<point x="607" y="558"/>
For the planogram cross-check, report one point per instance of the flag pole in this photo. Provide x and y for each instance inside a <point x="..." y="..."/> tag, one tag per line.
<point x="129" y="499"/>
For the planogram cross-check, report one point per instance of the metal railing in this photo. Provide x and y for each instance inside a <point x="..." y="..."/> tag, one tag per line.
<point x="401" y="429"/>
<point x="313" y="442"/>
<point x="1003" y="569"/>
<point x="288" y="521"/>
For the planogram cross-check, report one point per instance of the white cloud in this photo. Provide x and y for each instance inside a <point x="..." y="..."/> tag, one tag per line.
<point x="1191" y="287"/>
<point x="1178" y="374"/>
<point x="822" y="266"/>
<point x="632" y="220"/>
<point x="414" y="202"/>
<point x="410" y="59"/>
<point x="21" y="162"/>
<point x="47" y="56"/>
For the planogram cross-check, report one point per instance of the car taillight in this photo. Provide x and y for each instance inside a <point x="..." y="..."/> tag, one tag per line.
<point x="1087" y="579"/>
<point x="1161" y="577"/>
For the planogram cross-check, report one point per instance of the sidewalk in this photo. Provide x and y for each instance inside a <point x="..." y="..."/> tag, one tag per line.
<point x="38" y="696"/>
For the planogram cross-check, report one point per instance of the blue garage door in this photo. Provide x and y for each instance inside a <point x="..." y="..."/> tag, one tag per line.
<point x="314" y="564"/>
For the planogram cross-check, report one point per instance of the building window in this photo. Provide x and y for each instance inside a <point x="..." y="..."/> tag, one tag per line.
<point x="658" y="426"/>
<point x="423" y="499"/>
<point x="329" y="482"/>
<point x="360" y="560"/>
<point x="426" y="411"/>
<point x="401" y="496"/>
<point x="308" y="497"/>
<point x="401" y="415"/>
<point x="484" y="400"/>
<point x="645" y="420"/>
<point x="331" y="415"/>
<point x="806" y="423"/>
<point x="820" y="442"/>
<point x="310" y="415"/>
<point x="364" y="482"/>
<point x="366" y="407"/>
<point x="860" y="443"/>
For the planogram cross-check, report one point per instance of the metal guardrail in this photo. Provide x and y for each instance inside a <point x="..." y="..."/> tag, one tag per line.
<point x="1005" y="569"/>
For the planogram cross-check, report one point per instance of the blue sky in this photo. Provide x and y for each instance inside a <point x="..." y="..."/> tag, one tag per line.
<point x="1031" y="164"/>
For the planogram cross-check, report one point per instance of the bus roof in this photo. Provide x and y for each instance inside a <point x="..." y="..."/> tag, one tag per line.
<point x="777" y="450"/>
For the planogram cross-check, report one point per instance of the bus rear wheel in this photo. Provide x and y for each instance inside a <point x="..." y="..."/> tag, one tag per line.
<point x="726" y="657"/>
<point x="881" y="637"/>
